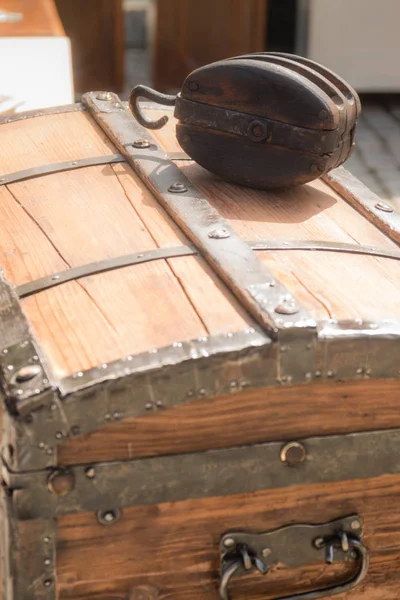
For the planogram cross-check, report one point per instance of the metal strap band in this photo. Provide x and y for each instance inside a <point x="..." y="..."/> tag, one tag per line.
<point x="52" y="110"/>
<point x="225" y="472"/>
<point x="38" y="285"/>
<point x="257" y="129"/>
<point x="69" y="165"/>
<point x="365" y="201"/>
<point x="246" y="275"/>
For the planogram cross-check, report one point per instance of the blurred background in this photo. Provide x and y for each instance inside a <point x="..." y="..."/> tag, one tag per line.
<point x="51" y="51"/>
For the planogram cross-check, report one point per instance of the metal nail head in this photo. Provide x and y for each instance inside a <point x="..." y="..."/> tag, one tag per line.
<point x="293" y="454"/>
<point x="142" y="143"/>
<point x="104" y="96"/>
<point x="219" y="234"/>
<point x="177" y="188"/>
<point x="384" y="207"/>
<point x="61" y="483"/>
<point x="108" y="517"/>
<point x="287" y="306"/>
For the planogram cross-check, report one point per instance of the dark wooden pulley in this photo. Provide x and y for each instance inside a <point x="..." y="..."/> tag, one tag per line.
<point x="263" y="120"/>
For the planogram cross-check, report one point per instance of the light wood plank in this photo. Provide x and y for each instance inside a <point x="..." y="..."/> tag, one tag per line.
<point x="329" y="285"/>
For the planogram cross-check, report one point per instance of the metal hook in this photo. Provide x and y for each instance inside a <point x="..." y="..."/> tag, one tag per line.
<point x="142" y="91"/>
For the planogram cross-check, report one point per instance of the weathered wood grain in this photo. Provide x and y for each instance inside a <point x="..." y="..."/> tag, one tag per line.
<point x="171" y="550"/>
<point x="270" y="414"/>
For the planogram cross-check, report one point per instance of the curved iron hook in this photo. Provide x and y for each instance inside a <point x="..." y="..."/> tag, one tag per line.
<point x="236" y="566"/>
<point x="142" y="91"/>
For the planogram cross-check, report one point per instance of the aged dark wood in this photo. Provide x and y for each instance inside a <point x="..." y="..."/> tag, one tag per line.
<point x="244" y="418"/>
<point x="96" y="30"/>
<point x="171" y="550"/>
<point x="192" y="33"/>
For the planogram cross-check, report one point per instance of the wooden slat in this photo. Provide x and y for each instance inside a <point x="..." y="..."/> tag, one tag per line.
<point x="171" y="550"/>
<point x="249" y="417"/>
<point x="329" y="285"/>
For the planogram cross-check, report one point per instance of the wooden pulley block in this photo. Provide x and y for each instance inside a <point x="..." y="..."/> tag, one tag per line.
<point x="265" y="120"/>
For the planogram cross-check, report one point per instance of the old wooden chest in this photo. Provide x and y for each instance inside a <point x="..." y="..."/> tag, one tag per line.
<point x="200" y="381"/>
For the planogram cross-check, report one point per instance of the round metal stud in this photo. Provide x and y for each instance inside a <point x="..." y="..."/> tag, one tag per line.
<point x="27" y="373"/>
<point x="104" y="96"/>
<point x="148" y="405"/>
<point x="108" y="517"/>
<point x="229" y="542"/>
<point x="287" y="306"/>
<point x="319" y="542"/>
<point x="61" y="482"/>
<point x="142" y="143"/>
<point x="384" y="207"/>
<point x="257" y="131"/>
<point x="47" y="583"/>
<point x="355" y="525"/>
<point x="90" y="472"/>
<point x="219" y="234"/>
<point x="177" y="188"/>
<point x="293" y="454"/>
<point x="266" y="552"/>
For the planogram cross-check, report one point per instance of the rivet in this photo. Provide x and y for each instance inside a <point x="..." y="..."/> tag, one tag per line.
<point x="141" y="143"/>
<point x="233" y="383"/>
<point x="140" y="255"/>
<point x="61" y="482"/>
<point x="293" y="453"/>
<point x="257" y="131"/>
<point x="283" y="349"/>
<point x="49" y="451"/>
<point x="229" y="335"/>
<point x="153" y="351"/>
<point x="266" y="552"/>
<point x="74" y="163"/>
<point x="148" y="406"/>
<point x="41" y="445"/>
<point x="27" y="373"/>
<point x="308" y="376"/>
<point x="90" y="472"/>
<point x="46" y="539"/>
<point x="116" y="414"/>
<point x="177" y="188"/>
<point x="359" y="371"/>
<point x="384" y="207"/>
<point x="37" y="391"/>
<point x="319" y="542"/>
<point x="177" y="344"/>
<point x="104" y="366"/>
<point x="2" y="179"/>
<point x="229" y="542"/>
<point x="330" y="373"/>
<point x="47" y="562"/>
<point x="202" y="391"/>
<point x="219" y="234"/>
<point x="108" y="517"/>
<point x="190" y="393"/>
<point x="287" y="306"/>
<point x="10" y="367"/>
<point x="193" y="86"/>
<point x="35" y="357"/>
<point x="355" y="525"/>
<point x="322" y="114"/>
<point x="318" y="373"/>
<point x="104" y="96"/>
<point x="59" y="435"/>
<point x="107" y="416"/>
<point x="5" y="351"/>
<point x="159" y="403"/>
<point x="45" y="381"/>
<point x="129" y="358"/>
<point x="47" y="583"/>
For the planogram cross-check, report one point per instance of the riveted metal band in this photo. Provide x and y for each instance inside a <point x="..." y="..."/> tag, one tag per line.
<point x="45" y="283"/>
<point x="244" y="273"/>
<point x="225" y="472"/>
<point x="28" y="549"/>
<point x="365" y="201"/>
<point x="257" y="129"/>
<point x="31" y="114"/>
<point x="68" y="165"/>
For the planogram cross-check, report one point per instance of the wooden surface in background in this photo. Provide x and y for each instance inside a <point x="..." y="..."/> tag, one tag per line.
<point x="171" y="550"/>
<point x="96" y="31"/>
<point x="40" y="18"/>
<point x="191" y="33"/>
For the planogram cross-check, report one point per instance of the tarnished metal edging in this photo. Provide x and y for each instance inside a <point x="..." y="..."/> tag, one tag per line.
<point x="69" y="165"/>
<point x="246" y="275"/>
<point x="239" y="470"/>
<point x="365" y="201"/>
<point x="136" y="258"/>
<point x="52" y="110"/>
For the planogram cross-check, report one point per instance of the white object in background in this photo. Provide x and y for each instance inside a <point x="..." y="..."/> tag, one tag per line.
<point x="35" y="73"/>
<point x="359" y="39"/>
